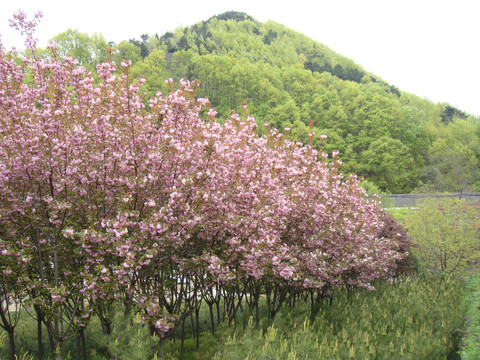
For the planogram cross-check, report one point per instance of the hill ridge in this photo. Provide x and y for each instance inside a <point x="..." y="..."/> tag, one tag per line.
<point x="398" y="141"/>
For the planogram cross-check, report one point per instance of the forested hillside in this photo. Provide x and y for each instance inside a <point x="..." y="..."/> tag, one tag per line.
<point x="396" y="140"/>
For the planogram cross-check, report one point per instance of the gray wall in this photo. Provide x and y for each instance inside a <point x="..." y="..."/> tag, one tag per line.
<point x="408" y="200"/>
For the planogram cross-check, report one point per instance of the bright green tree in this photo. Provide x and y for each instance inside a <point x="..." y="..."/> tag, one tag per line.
<point x="453" y="167"/>
<point x="447" y="233"/>
<point x="88" y="50"/>
<point x="153" y="70"/>
<point x="127" y="51"/>
<point x="453" y="157"/>
<point x="388" y="163"/>
<point x="284" y="114"/>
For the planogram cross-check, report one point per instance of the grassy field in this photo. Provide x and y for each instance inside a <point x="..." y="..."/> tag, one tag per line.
<point x="416" y="318"/>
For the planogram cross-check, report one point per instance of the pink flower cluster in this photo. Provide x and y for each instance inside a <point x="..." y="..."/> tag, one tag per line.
<point x="117" y="200"/>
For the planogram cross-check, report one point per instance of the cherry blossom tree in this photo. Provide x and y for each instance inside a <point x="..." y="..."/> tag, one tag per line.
<point x="108" y="197"/>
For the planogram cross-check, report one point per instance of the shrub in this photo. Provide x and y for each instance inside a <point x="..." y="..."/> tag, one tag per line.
<point x="418" y="318"/>
<point x="391" y="229"/>
<point x="471" y="341"/>
<point x="446" y="231"/>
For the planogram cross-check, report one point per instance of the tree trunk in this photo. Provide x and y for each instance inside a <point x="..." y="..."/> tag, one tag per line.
<point x="80" y="350"/>
<point x="77" y="347"/>
<point x="219" y="318"/>
<point x="39" y="336"/>
<point x="182" y="340"/>
<point x="11" y="339"/>
<point x="197" y="325"/>
<point x="192" y="325"/>
<point x="59" y="350"/>
<point x="105" y="321"/>
<point x="51" y="341"/>
<point x="212" y="320"/>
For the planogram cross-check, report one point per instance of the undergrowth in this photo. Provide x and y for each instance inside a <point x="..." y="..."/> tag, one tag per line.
<point x="415" y="318"/>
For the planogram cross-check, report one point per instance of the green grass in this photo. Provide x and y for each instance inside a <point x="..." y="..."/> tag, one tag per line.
<point x="400" y="213"/>
<point x="417" y="318"/>
<point x="471" y="340"/>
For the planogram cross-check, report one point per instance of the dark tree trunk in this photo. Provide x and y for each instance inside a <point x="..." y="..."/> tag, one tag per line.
<point x="105" y="321"/>
<point x="192" y="325"/>
<point x="39" y="336"/>
<point x="182" y="340"/>
<point x="11" y="339"/>
<point x="212" y="320"/>
<point x="219" y="319"/>
<point x="81" y="351"/>
<point x="197" y="325"/>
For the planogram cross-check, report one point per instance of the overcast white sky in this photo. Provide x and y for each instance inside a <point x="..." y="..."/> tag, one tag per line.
<point x="427" y="47"/>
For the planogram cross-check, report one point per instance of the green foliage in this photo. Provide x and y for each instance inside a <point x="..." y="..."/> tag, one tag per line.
<point x="3" y="340"/>
<point x="412" y="318"/>
<point x="25" y="337"/>
<point x="453" y="158"/>
<point x="152" y="69"/>
<point x="233" y="15"/>
<point x="446" y="231"/>
<point x="389" y="164"/>
<point x="400" y="214"/>
<point x="129" y="340"/>
<point x="126" y="51"/>
<point x="141" y="45"/>
<point x="450" y="112"/>
<point x="4" y="348"/>
<point x="471" y="340"/>
<point x="391" y="229"/>
<point x="88" y="50"/>
<point x="396" y="140"/>
<point x="396" y="321"/>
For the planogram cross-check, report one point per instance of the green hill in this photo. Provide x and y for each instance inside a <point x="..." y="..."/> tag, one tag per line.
<point x="396" y="140"/>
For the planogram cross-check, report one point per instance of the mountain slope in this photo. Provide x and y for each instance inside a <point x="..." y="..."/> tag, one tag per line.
<point x="392" y="138"/>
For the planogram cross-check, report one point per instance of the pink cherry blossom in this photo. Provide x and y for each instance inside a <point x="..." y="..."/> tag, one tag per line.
<point x="152" y="202"/>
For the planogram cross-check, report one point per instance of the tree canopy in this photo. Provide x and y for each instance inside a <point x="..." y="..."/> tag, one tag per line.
<point x="288" y="80"/>
<point x="107" y="196"/>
